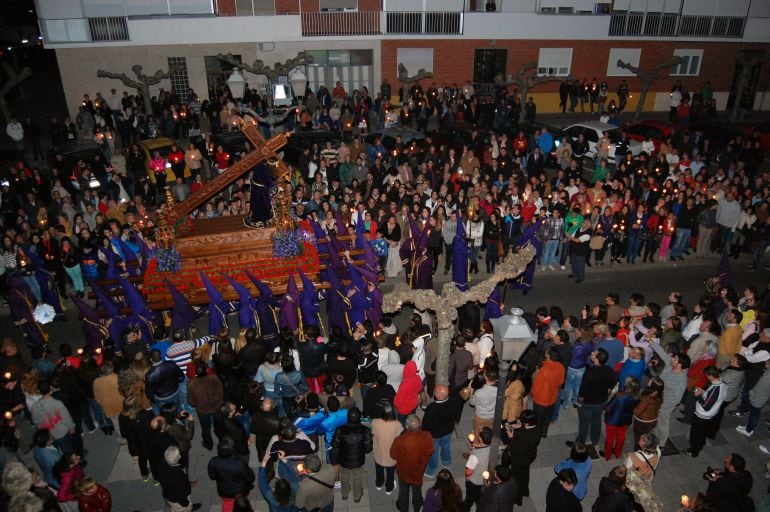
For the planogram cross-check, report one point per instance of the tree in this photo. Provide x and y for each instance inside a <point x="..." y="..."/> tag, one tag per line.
<point x="142" y="83"/>
<point x="272" y="74"/>
<point x="13" y="81"/>
<point x="746" y="61"/>
<point x="405" y="80"/>
<point x="445" y="305"/>
<point x="647" y="77"/>
<point x="526" y="78"/>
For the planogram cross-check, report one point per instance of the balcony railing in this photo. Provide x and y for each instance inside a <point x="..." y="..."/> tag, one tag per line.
<point x="360" y="23"/>
<point x="108" y="29"/>
<point x="84" y="30"/>
<point x="624" y="23"/>
<point x="444" y="23"/>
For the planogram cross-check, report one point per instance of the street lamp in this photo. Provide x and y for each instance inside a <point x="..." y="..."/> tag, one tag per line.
<point x="236" y="83"/>
<point x="298" y="81"/>
<point x="513" y="336"/>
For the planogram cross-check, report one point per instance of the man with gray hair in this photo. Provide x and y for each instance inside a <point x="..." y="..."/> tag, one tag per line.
<point x="174" y="482"/>
<point x="316" y="492"/>
<point x="411" y="451"/>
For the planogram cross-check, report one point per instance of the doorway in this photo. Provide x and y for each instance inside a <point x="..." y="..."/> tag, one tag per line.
<point x="489" y="63"/>
<point x="747" y="95"/>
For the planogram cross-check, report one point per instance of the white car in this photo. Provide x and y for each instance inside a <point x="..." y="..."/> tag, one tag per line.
<point x="594" y="131"/>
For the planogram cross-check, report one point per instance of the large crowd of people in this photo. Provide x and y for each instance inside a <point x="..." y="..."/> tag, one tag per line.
<point x="313" y="404"/>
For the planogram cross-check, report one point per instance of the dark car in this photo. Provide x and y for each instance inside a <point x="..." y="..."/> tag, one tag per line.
<point x="298" y="142"/>
<point x="73" y="152"/>
<point x="657" y="130"/>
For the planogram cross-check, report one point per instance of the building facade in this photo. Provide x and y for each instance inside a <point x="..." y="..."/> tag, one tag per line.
<point x="361" y="42"/>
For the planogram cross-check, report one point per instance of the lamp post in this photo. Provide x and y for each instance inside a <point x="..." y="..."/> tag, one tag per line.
<point x="236" y="83"/>
<point x="298" y="81"/>
<point x="512" y="338"/>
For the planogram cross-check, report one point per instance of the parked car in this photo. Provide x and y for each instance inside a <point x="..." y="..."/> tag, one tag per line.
<point x="388" y="136"/>
<point x="593" y="131"/>
<point x="75" y="151"/>
<point x="305" y="139"/>
<point x="762" y="131"/>
<point x="657" y="130"/>
<point x="163" y="146"/>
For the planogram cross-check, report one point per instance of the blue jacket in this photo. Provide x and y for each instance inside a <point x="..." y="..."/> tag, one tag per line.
<point x="631" y="368"/>
<point x="582" y="470"/>
<point x="580" y="353"/>
<point x="330" y="424"/>
<point x="311" y="424"/>
<point x="620" y="410"/>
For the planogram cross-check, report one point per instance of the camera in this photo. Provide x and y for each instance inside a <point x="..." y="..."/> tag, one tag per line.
<point x="711" y="473"/>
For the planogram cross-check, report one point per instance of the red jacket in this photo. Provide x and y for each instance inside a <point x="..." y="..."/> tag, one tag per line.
<point x="100" y="501"/>
<point x="411" y="451"/>
<point x="696" y="376"/>
<point x="407" y="396"/>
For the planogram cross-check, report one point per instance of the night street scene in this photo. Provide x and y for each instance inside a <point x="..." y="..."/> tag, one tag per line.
<point x="385" y="255"/>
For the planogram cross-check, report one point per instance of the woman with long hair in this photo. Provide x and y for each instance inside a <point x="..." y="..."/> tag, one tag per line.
<point x="515" y="393"/>
<point x="385" y="429"/>
<point x="646" y="411"/>
<point x="445" y="495"/>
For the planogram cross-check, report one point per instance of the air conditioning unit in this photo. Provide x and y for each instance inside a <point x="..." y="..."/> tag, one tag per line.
<point x="548" y="10"/>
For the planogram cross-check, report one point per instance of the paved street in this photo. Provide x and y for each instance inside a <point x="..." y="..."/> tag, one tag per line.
<point x="110" y="463"/>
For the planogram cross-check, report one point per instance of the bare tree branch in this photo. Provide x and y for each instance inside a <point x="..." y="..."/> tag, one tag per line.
<point x="525" y="79"/>
<point x="142" y="83"/>
<point x="259" y="68"/>
<point x="405" y="80"/>
<point x="13" y="81"/>
<point x="747" y="61"/>
<point x="647" y="76"/>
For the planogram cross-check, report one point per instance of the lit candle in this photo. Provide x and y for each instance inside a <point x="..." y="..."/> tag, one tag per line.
<point x="471" y="437"/>
<point x="300" y="467"/>
<point x="685" y="501"/>
<point x="7" y="375"/>
<point x="80" y="351"/>
<point x="8" y="415"/>
<point x="485" y="475"/>
<point x="98" y="351"/>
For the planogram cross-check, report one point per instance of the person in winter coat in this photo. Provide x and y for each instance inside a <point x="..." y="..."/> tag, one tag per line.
<point x="134" y="424"/>
<point x="580" y="463"/>
<point x="289" y="384"/>
<point x="385" y="429"/>
<point x="312" y="356"/>
<point x="618" y="417"/>
<point x="613" y="495"/>
<point x="500" y="493"/>
<point x="350" y="444"/>
<point x="92" y="497"/>
<point x="411" y="451"/>
<point x="708" y="404"/>
<point x="408" y="394"/>
<point x="264" y="425"/>
<point x="523" y="440"/>
<point x="560" y="497"/>
<point x="233" y="475"/>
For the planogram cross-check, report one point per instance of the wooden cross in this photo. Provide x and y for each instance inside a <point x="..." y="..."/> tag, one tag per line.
<point x="263" y="150"/>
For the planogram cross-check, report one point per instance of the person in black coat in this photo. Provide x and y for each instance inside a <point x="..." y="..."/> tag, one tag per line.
<point x="174" y="482"/>
<point x="729" y="489"/>
<point x="226" y="424"/>
<point x="265" y="423"/>
<point x="232" y="475"/>
<point x="500" y="494"/>
<point x="253" y="354"/>
<point x="613" y="495"/>
<point x="350" y="444"/>
<point x="523" y="439"/>
<point x="559" y="497"/>
<point x="312" y="358"/>
<point x="158" y="440"/>
<point x="381" y="391"/>
<point x="134" y="423"/>
<point x="343" y="363"/>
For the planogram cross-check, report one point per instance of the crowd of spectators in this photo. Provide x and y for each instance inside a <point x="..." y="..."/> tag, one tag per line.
<point x="620" y="366"/>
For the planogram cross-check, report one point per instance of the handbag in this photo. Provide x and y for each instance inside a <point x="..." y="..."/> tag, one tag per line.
<point x="597" y="242"/>
<point x="467" y="391"/>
